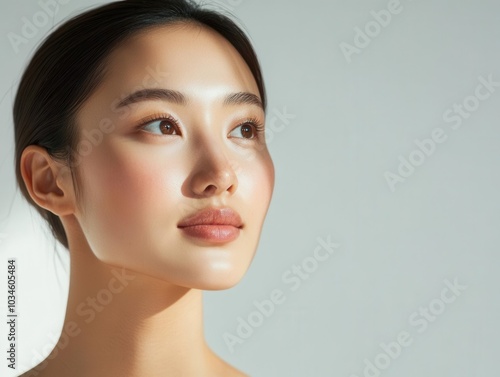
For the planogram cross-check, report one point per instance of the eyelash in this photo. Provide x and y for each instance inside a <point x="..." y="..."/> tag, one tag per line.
<point x="257" y="124"/>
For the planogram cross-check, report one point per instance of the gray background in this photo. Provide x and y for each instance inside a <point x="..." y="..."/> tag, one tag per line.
<point x="348" y="124"/>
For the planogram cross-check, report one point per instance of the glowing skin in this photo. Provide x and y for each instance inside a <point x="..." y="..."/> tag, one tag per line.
<point x="137" y="185"/>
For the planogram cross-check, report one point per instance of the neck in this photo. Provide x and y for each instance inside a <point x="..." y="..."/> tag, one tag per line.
<point x="122" y="323"/>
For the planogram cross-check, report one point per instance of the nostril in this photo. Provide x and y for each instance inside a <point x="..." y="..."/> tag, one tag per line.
<point x="210" y="189"/>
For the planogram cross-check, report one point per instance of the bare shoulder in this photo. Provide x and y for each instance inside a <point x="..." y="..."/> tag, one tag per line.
<point x="32" y="373"/>
<point x="39" y="370"/>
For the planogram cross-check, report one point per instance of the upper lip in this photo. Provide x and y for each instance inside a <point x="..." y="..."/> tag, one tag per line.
<point x="213" y="216"/>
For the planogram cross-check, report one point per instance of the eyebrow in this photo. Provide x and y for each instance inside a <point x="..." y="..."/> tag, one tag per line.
<point x="239" y="98"/>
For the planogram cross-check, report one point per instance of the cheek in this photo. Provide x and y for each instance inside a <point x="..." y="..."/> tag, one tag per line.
<point x="257" y="174"/>
<point x="255" y="188"/>
<point x="127" y="195"/>
<point x="133" y="199"/>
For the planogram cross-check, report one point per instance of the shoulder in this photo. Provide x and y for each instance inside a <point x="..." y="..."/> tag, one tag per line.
<point x="32" y="373"/>
<point x="39" y="370"/>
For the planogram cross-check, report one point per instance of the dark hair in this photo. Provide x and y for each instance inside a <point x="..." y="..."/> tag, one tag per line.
<point x="69" y="66"/>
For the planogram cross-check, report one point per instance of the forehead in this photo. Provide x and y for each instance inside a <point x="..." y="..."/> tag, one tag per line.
<point x="180" y="55"/>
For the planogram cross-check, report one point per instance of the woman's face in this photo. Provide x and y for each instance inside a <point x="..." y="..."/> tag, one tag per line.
<point x="141" y="176"/>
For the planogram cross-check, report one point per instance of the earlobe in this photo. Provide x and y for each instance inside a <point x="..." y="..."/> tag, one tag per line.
<point x="47" y="181"/>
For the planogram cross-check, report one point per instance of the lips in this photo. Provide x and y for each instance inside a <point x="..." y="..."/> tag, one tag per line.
<point x="213" y="216"/>
<point x="212" y="225"/>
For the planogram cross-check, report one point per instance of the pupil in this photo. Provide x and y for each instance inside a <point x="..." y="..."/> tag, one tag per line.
<point x="165" y="126"/>
<point x="246" y="129"/>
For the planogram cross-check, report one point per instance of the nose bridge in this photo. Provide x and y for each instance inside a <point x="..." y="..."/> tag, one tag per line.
<point x="213" y="170"/>
<point x="213" y="154"/>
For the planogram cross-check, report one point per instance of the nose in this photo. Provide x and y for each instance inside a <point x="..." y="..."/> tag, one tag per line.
<point x="214" y="173"/>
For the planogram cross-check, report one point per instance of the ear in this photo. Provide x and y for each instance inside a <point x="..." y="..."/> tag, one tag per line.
<point x="48" y="182"/>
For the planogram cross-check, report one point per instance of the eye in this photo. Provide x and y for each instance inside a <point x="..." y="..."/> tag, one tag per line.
<point x="164" y="125"/>
<point x="249" y="129"/>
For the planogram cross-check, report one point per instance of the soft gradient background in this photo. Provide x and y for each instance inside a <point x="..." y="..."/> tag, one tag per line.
<point x="347" y="122"/>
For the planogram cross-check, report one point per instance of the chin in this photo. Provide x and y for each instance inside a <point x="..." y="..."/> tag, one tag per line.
<point x="215" y="280"/>
<point x="202" y="279"/>
<point x="218" y="284"/>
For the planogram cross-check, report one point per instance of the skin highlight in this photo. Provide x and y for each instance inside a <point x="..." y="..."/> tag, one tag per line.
<point x="138" y="183"/>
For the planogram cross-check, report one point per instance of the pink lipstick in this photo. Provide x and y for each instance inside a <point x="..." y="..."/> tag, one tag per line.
<point x="216" y="225"/>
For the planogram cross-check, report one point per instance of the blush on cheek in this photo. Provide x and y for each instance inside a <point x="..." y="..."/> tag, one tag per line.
<point x="111" y="182"/>
<point x="134" y="183"/>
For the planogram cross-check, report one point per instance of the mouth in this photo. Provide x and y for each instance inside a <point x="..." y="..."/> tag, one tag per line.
<point x="213" y="233"/>
<point x="216" y="225"/>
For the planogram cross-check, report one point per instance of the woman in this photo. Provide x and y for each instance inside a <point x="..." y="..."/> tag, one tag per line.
<point x="139" y="130"/>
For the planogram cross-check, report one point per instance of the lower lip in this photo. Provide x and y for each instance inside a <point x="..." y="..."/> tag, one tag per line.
<point x="213" y="233"/>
